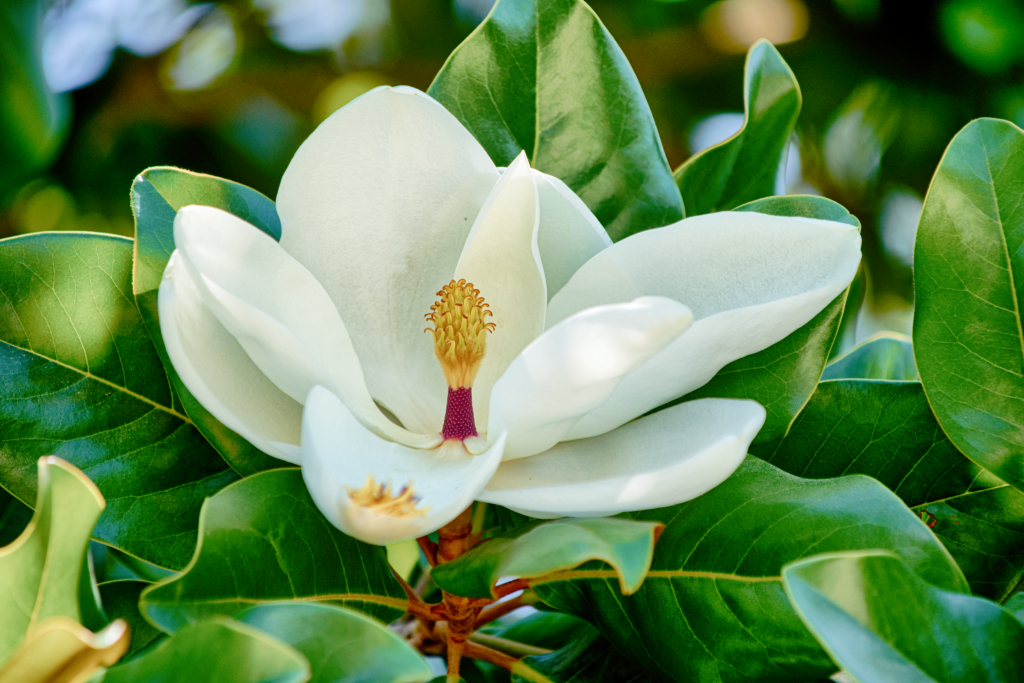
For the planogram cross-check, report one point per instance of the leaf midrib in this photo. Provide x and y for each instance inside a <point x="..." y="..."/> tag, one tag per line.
<point x="102" y="380"/>
<point x="578" y="574"/>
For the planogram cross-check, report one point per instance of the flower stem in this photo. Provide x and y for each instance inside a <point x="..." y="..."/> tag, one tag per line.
<point x="456" y="538"/>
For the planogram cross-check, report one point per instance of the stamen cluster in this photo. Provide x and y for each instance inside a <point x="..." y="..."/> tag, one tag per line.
<point x="460" y="327"/>
<point x="380" y="499"/>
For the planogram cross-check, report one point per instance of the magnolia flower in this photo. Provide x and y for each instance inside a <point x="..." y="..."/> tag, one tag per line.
<point x="545" y="346"/>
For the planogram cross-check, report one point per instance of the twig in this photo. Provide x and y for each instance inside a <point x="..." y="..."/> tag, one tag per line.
<point x="486" y="654"/>
<point x="508" y="647"/>
<point x="429" y="549"/>
<point x="499" y="610"/>
<point x="511" y="587"/>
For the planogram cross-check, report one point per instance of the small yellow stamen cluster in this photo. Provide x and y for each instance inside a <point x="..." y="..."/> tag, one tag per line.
<point x="380" y="499"/>
<point x="459" y="332"/>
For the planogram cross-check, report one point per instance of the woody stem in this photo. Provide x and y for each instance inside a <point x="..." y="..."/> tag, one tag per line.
<point x="455" y="538"/>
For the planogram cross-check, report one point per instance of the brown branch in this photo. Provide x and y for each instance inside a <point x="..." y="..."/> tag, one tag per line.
<point x="499" y="610"/>
<point x="511" y="587"/>
<point x="486" y="654"/>
<point x="429" y="549"/>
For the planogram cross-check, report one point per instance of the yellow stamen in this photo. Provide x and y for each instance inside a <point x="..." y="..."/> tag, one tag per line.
<point x="459" y="332"/>
<point x="380" y="499"/>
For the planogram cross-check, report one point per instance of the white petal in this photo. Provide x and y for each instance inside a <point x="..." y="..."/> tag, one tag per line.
<point x="502" y="260"/>
<point x="662" y="459"/>
<point x="569" y="234"/>
<point x="278" y="312"/>
<point x="218" y="372"/>
<point x="573" y="368"/>
<point x="339" y="454"/>
<point x="377" y="204"/>
<point x="750" y="280"/>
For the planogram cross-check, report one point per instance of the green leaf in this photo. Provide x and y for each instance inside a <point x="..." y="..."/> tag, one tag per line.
<point x="969" y="275"/>
<point x="41" y="567"/>
<point x="881" y="622"/>
<point x="14" y="517"/>
<point x="157" y="194"/>
<point x="712" y="607"/>
<point x="1015" y="606"/>
<point x="783" y="376"/>
<point x="590" y="659"/>
<point x="887" y="355"/>
<point x="550" y="630"/>
<point x="886" y="430"/>
<point x="548" y="78"/>
<point x="218" y="650"/>
<point x="82" y="381"/>
<point x="547" y="547"/>
<point x="262" y="539"/>
<point x="743" y="167"/>
<point x="121" y="601"/>
<point x="341" y="645"/>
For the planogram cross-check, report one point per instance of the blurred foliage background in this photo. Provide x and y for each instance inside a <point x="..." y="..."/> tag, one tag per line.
<point x="94" y="91"/>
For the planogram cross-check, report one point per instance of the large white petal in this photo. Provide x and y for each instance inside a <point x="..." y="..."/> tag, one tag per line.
<point x="377" y="204"/>
<point x="573" y="368"/>
<point x="218" y="372"/>
<point x="569" y="235"/>
<point x="278" y="312"/>
<point x="662" y="459"/>
<point x="502" y="260"/>
<point x="339" y="454"/>
<point x="750" y="280"/>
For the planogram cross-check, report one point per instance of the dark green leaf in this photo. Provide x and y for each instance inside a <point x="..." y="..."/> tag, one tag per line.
<point x="743" y="167"/>
<point x="157" y="194"/>
<point x="969" y="277"/>
<point x="590" y="659"/>
<point x="547" y="547"/>
<point x="882" y="623"/>
<point x="121" y="601"/>
<point x="40" y="569"/>
<point x="262" y="539"/>
<point x="83" y="381"/>
<point x="1015" y="606"/>
<point x="783" y="376"/>
<point x="14" y="517"/>
<point x="215" y="651"/>
<point x="548" y="78"/>
<point x="886" y="430"/>
<point x="551" y="630"/>
<point x="712" y="607"/>
<point x="340" y="645"/>
<point x="887" y="355"/>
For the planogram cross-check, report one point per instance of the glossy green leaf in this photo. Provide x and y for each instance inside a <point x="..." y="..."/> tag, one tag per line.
<point x="887" y="355"/>
<point x="341" y="645"/>
<point x="82" y="381"/>
<point x="121" y="601"/>
<point x="969" y="277"/>
<point x="712" y="607"/>
<point x="590" y="659"/>
<point x="881" y="622"/>
<point x="783" y="376"/>
<point x="157" y="194"/>
<point x="40" y="569"/>
<point x="743" y="168"/>
<point x="14" y="517"/>
<point x="550" y="630"/>
<point x="886" y="430"/>
<point x="262" y="539"/>
<point x="1015" y="606"/>
<point x="547" y="547"/>
<point x="215" y="651"/>
<point x="548" y="78"/>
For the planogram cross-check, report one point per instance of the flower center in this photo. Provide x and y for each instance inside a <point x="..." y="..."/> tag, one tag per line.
<point x="460" y="339"/>
<point x="380" y="499"/>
